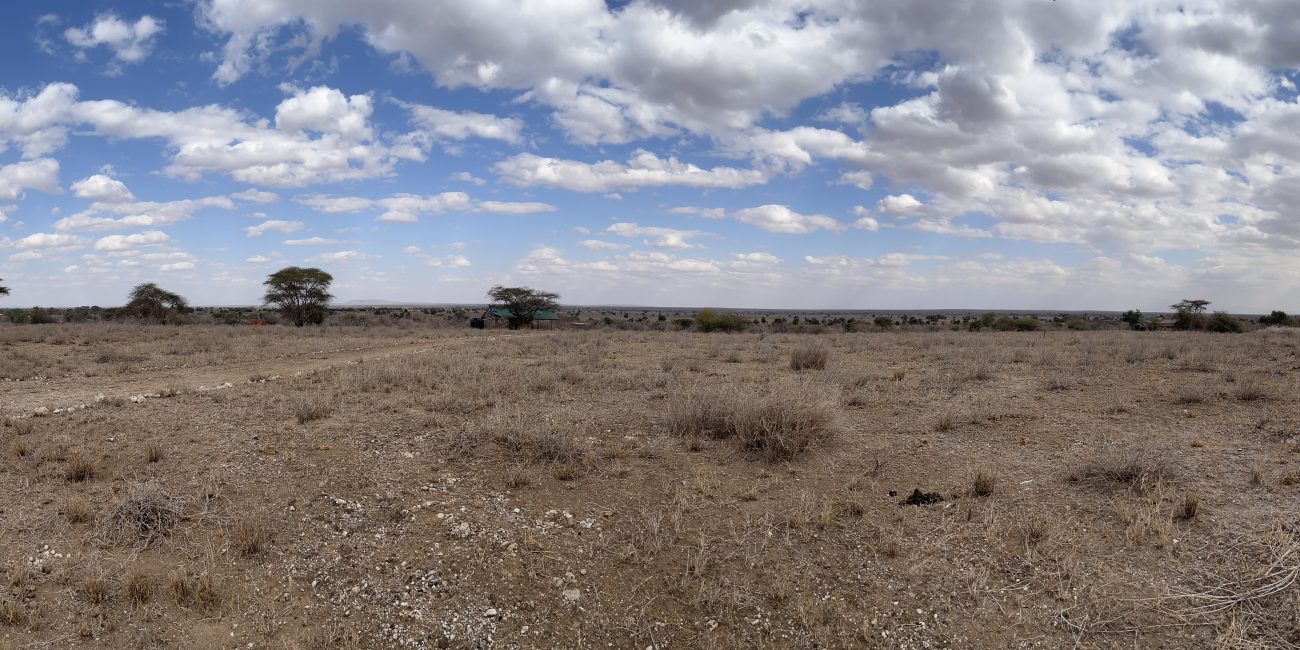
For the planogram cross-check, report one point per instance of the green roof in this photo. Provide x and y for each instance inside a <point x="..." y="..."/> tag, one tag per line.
<point x="541" y="314"/>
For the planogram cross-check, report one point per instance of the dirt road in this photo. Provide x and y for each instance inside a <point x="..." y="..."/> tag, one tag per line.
<point x="21" y="398"/>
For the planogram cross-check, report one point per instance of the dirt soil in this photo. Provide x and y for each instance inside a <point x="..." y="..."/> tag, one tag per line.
<point x="449" y="489"/>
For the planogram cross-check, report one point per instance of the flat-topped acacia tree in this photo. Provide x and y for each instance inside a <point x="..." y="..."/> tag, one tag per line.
<point x="152" y="302"/>
<point x="522" y="302"/>
<point x="302" y="294"/>
<point x="4" y="291"/>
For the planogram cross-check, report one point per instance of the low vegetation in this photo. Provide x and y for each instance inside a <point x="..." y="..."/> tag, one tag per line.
<point x="396" y="483"/>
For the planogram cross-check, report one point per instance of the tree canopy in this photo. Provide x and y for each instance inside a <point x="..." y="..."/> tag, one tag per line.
<point x="1190" y="314"/>
<point x="522" y="302"/>
<point x="302" y="294"/>
<point x="4" y="291"/>
<point x="151" y="302"/>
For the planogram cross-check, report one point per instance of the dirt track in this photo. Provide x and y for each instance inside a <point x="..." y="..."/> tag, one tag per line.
<point x="21" y="398"/>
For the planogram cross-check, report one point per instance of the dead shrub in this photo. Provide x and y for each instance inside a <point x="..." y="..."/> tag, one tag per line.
<point x="80" y="468"/>
<point x="810" y="356"/>
<point x="148" y="512"/>
<point x="983" y="484"/>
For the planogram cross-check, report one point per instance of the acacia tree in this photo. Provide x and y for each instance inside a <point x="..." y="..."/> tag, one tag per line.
<point x="522" y="302"/>
<point x="1190" y="314"/>
<point x="302" y="294"/>
<point x="152" y="302"/>
<point x="4" y="291"/>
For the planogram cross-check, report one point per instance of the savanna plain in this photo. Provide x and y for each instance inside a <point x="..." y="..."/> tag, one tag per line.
<point x="397" y="486"/>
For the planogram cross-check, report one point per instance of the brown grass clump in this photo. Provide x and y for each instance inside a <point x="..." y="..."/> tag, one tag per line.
<point x="945" y="422"/>
<point x="983" y="484"/>
<point x="1187" y="507"/>
<point x="21" y="427"/>
<point x="77" y="511"/>
<point x="153" y="453"/>
<point x="12" y="614"/>
<point x="95" y="588"/>
<point x="1249" y="390"/>
<point x="137" y="586"/>
<point x="80" y="468"/>
<point x="518" y="478"/>
<point x="199" y="591"/>
<point x="779" y="425"/>
<point x="21" y="448"/>
<point x="148" y="512"/>
<point x="1140" y="470"/>
<point x="307" y="410"/>
<point x="249" y="537"/>
<point x="810" y="356"/>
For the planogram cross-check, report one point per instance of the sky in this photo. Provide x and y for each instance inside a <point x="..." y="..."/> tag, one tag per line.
<point x="1013" y="154"/>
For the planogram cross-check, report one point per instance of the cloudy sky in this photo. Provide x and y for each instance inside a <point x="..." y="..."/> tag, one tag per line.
<point x="1065" y="154"/>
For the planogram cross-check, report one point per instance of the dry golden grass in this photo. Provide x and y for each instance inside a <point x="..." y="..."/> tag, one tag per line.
<point x="810" y="356"/>
<point x="645" y="488"/>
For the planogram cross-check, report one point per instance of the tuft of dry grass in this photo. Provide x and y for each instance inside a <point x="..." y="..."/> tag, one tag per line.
<point x="138" y="586"/>
<point x="21" y="427"/>
<point x="12" y="614"/>
<point x="249" y="537"/>
<point x="153" y="453"/>
<point x="779" y="425"/>
<point x="148" y="512"/>
<point x="1249" y="390"/>
<point x="308" y="409"/>
<point x="79" y="468"/>
<point x="1141" y="470"/>
<point x="96" y="588"/>
<point x="518" y="478"/>
<point x="983" y="484"/>
<point x="77" y="510"/>
<point x="810" y="356"/>
<point x="946" y="421"/>
<point x="198" y="591"/>
<point x="1187" y="507"/>
<point x="20" y="448"/>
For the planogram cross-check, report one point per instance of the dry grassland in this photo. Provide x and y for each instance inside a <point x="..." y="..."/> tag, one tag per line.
<point x="385" y="487"/>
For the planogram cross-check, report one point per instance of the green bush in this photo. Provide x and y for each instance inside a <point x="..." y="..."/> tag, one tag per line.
<point x="1224" y="322"/>
<point x="1077" y="324"/>
<point x="1279" y="318"/>
<point x="38" y="316"/>
<point x="709" y="320"/>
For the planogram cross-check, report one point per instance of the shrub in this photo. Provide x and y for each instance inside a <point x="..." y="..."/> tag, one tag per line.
<point x="1077" y="324"/>
<point x="810" y="356"/>
<point x="709" y="320"/>
<point x="1278" y="318"/>
<point x="1226" y="323"/>
<point x="79" y="469"/>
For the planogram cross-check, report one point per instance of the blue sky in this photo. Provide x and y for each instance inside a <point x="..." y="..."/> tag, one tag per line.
<point x="740" y="153"/>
